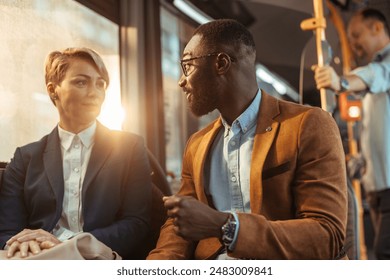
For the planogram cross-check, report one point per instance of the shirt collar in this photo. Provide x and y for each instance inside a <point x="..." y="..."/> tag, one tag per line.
<point x="382" y="53"/>
<point x="247" y="119"/>
<point x="86" y="136"/>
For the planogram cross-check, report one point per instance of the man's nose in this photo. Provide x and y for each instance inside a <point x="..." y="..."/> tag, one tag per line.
<point x="182" y="81"/>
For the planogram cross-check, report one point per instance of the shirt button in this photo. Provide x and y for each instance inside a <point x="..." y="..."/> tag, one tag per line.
<point x="76" y="170"/>
<point x="233" y="143"/>
<point x="74" y="219"/>
<point x="234" y="178"/>
<point x="76" y="146"/>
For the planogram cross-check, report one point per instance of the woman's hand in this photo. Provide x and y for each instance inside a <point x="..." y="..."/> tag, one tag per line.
<point x="29" y="240"/>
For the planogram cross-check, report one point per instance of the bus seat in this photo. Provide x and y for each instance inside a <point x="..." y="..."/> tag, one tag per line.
<point x="351" y="244"/>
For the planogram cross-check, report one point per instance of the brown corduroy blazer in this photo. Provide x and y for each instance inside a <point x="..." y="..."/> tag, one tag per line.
<point x="298" y="189"/>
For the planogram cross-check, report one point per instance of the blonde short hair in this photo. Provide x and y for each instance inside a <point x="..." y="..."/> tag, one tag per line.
<point x="57" y="63"/>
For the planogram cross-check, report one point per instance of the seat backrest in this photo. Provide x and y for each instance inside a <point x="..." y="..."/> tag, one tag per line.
<point x="352" y="239"/>
<point x="159" y="176"/>
<point x="1" y="175"/>
<point x="2" y="168"/>
<point x="160" y="188"/>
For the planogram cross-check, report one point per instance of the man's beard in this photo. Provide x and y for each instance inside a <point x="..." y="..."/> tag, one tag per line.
<point x="202" y="105"/>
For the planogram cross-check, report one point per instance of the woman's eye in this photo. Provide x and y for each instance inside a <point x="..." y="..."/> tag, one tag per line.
<point x="81" y="83"/>
<point x="101" y="84"/>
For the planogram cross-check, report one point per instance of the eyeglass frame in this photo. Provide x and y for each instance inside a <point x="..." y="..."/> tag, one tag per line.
<point x="182" y="61"/>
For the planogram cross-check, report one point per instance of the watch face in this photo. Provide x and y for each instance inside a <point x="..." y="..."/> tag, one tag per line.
<point x="228" y="231"/>
<point x="344" y="84"/>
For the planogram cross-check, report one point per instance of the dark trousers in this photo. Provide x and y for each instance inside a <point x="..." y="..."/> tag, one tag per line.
<point x="380" y="215"/>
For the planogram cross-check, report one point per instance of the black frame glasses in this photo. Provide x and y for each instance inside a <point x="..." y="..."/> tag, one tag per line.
<point x="183" y="61"/>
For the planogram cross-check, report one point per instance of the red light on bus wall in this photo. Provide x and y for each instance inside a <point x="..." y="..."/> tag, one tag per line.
<point x="350" y="108"/>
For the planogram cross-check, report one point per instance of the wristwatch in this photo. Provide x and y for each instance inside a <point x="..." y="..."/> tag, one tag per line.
<point x="228" y="230"/>
<point x="344" y="84"/>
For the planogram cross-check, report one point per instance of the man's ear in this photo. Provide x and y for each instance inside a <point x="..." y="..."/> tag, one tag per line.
<point x="223" y="63"/>
<point x="377" y="27"/>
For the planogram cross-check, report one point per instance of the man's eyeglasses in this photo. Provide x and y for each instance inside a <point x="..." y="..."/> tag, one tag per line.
<point x="186" y="67"/>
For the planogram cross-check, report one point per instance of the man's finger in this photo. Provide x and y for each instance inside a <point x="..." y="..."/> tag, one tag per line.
<point x="171" y="201"/>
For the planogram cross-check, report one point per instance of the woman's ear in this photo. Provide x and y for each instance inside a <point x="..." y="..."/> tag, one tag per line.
<point x="52" y="92"/>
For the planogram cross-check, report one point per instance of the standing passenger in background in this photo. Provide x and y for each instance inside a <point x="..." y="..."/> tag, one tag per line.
<point x="369" y="33"/>
<point x="267" y="179"/>
<point x="82" y="177"/>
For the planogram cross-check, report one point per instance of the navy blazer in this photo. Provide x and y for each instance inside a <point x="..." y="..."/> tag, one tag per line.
<point x="116" y="192"/>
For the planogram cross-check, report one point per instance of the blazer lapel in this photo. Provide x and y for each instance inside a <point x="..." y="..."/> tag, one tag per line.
<point x="52" y="161"/>
<point x="206" y="248"/>
<point x="265" y="133"/>
<point x="100" y="152"/>
<point x="200" y="159"/>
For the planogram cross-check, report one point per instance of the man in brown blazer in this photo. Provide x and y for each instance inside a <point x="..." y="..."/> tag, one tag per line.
<point x="267" y="179"/>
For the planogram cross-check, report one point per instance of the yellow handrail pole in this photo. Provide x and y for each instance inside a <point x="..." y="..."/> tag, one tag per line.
<point x="318" y="23"/>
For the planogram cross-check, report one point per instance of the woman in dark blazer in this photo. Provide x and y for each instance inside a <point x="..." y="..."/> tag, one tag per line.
<point x="82" y="177"/>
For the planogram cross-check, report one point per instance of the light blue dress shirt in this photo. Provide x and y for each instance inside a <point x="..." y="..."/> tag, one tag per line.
<point x="227" y="170"/>
<point x="375" y="136"/>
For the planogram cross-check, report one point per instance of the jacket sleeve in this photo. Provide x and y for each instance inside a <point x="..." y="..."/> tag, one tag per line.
<point x="132" y="222"/>
<point x="13" y="213"/>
